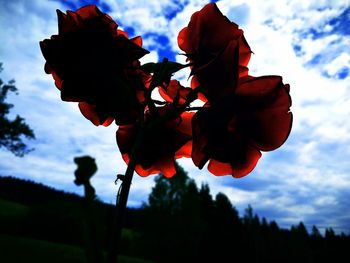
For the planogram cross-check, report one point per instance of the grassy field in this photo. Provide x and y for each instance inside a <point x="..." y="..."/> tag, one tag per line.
<point x="25" y="250"/>
<point x="16" y="249"/>
<point x="11" y="209"/>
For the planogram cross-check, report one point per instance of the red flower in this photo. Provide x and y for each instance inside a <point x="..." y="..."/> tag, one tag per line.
<point x="95" y="64"/>
<point x="217" y="49"/>
<point x="162" y="144"/>
<point x="231" y="132"/>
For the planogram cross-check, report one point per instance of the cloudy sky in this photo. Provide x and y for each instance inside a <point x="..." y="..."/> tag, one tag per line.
<point x="305" y="41"/>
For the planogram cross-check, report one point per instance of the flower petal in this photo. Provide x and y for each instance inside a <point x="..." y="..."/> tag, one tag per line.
<point x="267" y="107"/>
<point x="89" y="112"/>
<point x="235" y="168"/>
<point x="137" y="40"/>
<point x="208" y="26"/>
<point x="92" y="113"/>
<point x="163" y="143"/>
<point x="88" y="12"/>
<point x="220" y="76"/>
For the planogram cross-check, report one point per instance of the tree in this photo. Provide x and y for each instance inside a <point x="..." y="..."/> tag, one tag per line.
<point x="12" y="131"/>
<point x="169" y="217"/>
<point x="315" y="233"/>
<point x="167" y="194"/>
<point x="248" y="215"/>
<point x="206" y="203"/>
<point x="225" y="212"/>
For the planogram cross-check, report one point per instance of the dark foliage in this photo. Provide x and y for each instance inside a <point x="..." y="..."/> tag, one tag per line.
<point x="12" y="131"/>
<point x="29" y="193"/>
<point x="180" y="223"/>
<point x="183" y="223"/>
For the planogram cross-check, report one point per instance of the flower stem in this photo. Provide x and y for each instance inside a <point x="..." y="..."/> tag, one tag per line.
<point x="122" y="198"/>
<point x="193" y="108"/>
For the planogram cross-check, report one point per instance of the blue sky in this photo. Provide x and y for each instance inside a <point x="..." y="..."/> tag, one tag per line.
<point x="306" y="42"/>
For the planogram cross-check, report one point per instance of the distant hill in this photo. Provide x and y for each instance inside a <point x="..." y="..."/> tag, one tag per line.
<point x="34" y="210"/>
<point x="31" y="193"/>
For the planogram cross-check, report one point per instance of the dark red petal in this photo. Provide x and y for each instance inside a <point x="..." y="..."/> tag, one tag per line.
<point x="126" y="158"/>
<point x="200" y="139"/>
<point x="123" y="33"/>
<point x="165" y="95"/>
<point x="73" y="20"/>
<point x="162" y="145"/>
<point x="108" y="121"/>
<point x="257" y="89"/>
<point x="137" y="40"/>
<point x="195" y="84"/>
<point x="267" y="108"/>
<point x="252" y="156"/>
<point x="184" y="42"/>
<point x="220" y="76"/>
<point x="88" y="12"/>
<point x="71" y="91"/>
<point x="218" y="168"/>
<point x="45" y="50"/>
<point x="243" y="71"/>
<point x="185" y="125"/>
<point x="145" y="172"/>
<point x="89" y="112"/>
<point x="235" y="169"/>
<point x="184" y="151"/>
<point x="58" y="80"/>
<point x="125" y="137"/>
<point x="63" y="26"/>
<point x="165" y="166"/>
<point x="244" y="52"/>
<point x="208" y="26"/>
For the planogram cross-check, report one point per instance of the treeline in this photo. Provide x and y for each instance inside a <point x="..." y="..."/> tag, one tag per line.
<point x="181" y="222"/>
<point x="30" y="193"/>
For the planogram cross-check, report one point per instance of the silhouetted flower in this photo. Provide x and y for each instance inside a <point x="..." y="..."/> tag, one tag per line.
<point x="163" y="142"/>
<point x="217" y="49"/>
<point x="232" y="131"/>
<point x="95" y="64"/>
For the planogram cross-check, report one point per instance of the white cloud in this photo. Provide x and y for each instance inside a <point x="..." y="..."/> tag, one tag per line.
<point x="151" y="57"/>
<point x="343" y="60"/>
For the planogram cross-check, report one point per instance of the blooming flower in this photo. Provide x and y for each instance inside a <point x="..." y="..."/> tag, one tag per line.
<point x="218" y="50"/>
<point x="231" y="132"/>
<point x="94" y="63"/>
<point x="163" y="143"/>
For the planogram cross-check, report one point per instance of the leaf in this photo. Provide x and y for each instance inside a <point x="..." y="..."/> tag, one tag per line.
<point x="168" y="67"/>
<point x="162" y="71"/>
<point x="172" y="67"/>
<point x="149" y="67"/>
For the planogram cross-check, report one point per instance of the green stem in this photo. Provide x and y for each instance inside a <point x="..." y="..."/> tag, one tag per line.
<point x="193" y="108"/>
<point x="176" y="112"/>
<point x="117" y="225"/>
